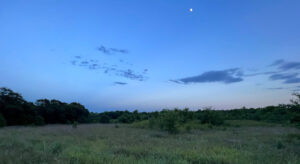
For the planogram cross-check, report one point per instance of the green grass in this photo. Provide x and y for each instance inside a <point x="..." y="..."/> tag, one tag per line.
<point x="248" y="123"/>
<point x="98" y="143"/>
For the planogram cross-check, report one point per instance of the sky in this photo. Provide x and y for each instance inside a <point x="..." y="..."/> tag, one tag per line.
<point x="151" y="54"/>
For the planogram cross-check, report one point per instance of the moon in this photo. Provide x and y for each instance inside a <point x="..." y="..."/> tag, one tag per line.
<point x="191" y="9"/>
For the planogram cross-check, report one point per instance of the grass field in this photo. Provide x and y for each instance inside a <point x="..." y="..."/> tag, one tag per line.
<point x="96" y="143"/>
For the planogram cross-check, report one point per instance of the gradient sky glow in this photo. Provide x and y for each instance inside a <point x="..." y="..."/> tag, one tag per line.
<point x="151" y="54"/>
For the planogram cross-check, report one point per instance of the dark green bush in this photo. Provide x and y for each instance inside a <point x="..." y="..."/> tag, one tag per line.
<point x="211" y="117"/>
<point x="295" y="119"/>
<point x="280" y="145"/>
<point x="104" y="119"/>
<point x="75" y="124"/>
<point x="39" y="121"/>
<point x="169" y="122"/>
<point x="188" y="128"/>
<point x="2" y="121"/>
<point x="152" y="123"/>
<point x="126" y="118"/>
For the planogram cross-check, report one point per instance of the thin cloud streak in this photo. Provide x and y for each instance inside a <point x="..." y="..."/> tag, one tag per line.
<point x="120" y="83"/>
<point x="111" y="51"/>
<point x="285" y="66"/>
<point x="110" y="69"/>
<point x="225" y="76"/>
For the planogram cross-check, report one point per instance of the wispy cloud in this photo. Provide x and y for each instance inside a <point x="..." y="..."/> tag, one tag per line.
<point x="130" y="74"/>
<point x="84" y="63"/>
<point x="277" y="62"/>
<point x="93" y="64"/>
<point x="120" y="83"/>
<point x="287" y="72"/>
<point x="225" y="76"/>
<point x="283" y="76"/>
<point x="285" y="66"/>
<point x="73" y="62"/>
<point x="287" y="78"/>
<point x="276" y="88"/>
<point x="110" y="51"/>
<point x="261" y="73"/>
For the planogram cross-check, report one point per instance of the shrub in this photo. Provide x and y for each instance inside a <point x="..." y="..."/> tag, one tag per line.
<point x="188" y="128"/>
<point x="2" y="121"/>
<point x="293" y="137"/>
<point x="104" y="119"/>
<point x="169" y="122"/>
<point x="75" y="123"/>
<point x="141" y="124"/>
<point x="211" y="117"/>
<point x="126" y="118"/>
<point x="151" y="123"/>
<point x="39" y="121"/>
<point x="279" y="145"/>
<point x="296" y="119"/>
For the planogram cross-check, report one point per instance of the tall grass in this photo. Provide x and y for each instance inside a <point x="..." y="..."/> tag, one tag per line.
<point x="98" y="143"/>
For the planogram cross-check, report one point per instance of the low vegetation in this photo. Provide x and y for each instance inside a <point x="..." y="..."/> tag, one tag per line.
<point x="122" y="143"/>
<point x="14" y="110"/>
<point x="238" y="136"/>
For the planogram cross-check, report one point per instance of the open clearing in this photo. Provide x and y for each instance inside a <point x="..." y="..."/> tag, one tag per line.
<point x="98" y="143"/>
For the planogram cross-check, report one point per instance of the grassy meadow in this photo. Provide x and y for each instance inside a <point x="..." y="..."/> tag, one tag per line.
<point x="124" y="143"/>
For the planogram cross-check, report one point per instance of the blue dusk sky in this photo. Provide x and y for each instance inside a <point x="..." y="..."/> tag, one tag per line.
<point x="151" y="54"/>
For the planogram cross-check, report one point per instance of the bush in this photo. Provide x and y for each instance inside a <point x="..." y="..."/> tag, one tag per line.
<point x="280" y="145"/>
<point x="39" y="121"/>
<point x="188" y="128"/>
<point x="104" y="119"/>
<point x="126" y="118"/>
<point x="295" y="119"/>
<point x="75" y="123"/>
<point x="211" y="117"/>
<point x="141" y="124"/>
<point x="169" y="122"/>
<point x="151" y="123"/>
<point x="2" y="121"/>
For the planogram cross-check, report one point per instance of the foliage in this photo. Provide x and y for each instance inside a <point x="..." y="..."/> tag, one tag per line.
<point x="75" y="124"/>
<point x="104" y="119"/>
<point x="39" y="121"/>
<point x="169" y="122"/>
<point x="17" y="111"/>
<point x="279" y="145"/>
<point x="209" y="116"/>
<point x="297" y="100"/>
<point x="2" y="121"/>
<point x="126" y="118"/>
<point x="188" y="128"/>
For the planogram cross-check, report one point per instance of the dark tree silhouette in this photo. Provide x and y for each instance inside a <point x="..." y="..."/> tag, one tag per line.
<point x="14" y="110"/>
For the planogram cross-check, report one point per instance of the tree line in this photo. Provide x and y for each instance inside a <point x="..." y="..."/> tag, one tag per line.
<point x="14" y="110"/>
